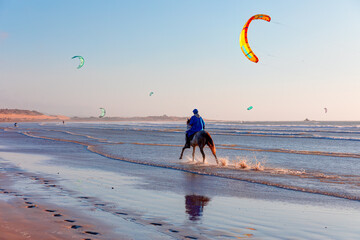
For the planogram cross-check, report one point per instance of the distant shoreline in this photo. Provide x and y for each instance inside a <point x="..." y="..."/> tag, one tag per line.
<point x="17" y="115"/>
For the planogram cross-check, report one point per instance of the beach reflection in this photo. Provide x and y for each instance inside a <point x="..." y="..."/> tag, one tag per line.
<point x="194" y="205"/>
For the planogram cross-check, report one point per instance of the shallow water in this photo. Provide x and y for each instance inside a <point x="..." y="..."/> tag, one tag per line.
<point x="295" y="156"/>
<point x="136" y="167"/>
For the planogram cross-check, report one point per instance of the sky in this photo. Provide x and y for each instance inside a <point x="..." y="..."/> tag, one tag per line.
<point x="186" y="52"/>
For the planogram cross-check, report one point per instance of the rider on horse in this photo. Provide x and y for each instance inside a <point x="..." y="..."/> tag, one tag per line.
<point x="197" y="124"/>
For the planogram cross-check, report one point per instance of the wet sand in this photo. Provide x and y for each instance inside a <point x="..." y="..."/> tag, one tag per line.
<point x="19" y="220"/>
<point x="39" y="206"/>
<point x="28" y="216"/>
<point x="35" y="206"/>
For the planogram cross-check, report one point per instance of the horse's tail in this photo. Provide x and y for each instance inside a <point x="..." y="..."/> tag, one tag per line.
<point x="211" y="144"/>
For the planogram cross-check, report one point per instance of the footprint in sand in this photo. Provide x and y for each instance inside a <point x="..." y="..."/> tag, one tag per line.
<point x="68" y="220"/>
<point x="156" y="224"/>
<point x="28" y="202"/>
<point x="92" y="233"/>
<point x="190" y="237"/>
<point x="57" y="215"/>
<point x="31" y="206"/>
<point x="174" y="231"/>
<point x="75" y="226"/>
<point x="48" y="210"/>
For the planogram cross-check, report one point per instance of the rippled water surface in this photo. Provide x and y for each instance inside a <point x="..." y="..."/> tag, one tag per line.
<point x="301" y="157"/>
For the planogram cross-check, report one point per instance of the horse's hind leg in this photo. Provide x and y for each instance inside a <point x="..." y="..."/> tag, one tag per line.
<point x="202" y="153"/>
<point x="213" y="150"/>
<point x="215" y="156"/>
<point x="193" y="154"/>
<point x="182" y="152"/>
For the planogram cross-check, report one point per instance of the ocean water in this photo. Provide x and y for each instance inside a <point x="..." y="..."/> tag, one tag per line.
<point x="301" y="162"/>
<point x="316" y="157"/>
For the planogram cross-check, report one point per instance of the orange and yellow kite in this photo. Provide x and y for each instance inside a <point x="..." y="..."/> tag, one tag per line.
<point x="244" y="44"/>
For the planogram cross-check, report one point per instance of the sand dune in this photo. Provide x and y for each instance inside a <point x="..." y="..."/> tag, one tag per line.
<point x="13" y="115"/>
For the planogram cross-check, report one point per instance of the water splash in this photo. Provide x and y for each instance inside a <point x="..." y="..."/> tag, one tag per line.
<point x="223" y="162"/>
<point x="247" y="163"/>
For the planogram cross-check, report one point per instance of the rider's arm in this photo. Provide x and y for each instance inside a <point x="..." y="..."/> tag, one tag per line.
<point x="203" y="123"/>
<point x="192" y="120"/>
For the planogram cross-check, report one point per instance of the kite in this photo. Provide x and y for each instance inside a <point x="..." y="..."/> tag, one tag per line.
<point x="244" y="44"/>
<point x="249" y="108"/>
<point x="81" y="61"/>
<point x="151" y="93"/>
<point x="103" y="112"/>
<point x="325" y="110"/>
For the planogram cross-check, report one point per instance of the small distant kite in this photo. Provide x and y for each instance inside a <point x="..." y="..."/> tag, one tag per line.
<point x="82" y="61"/>
<point x="151" y="93"/>
<point x="249" y="108"/>
<point x="244" y="44"/>
<point x="325" y="110"/>
<point x="103" y="112"/>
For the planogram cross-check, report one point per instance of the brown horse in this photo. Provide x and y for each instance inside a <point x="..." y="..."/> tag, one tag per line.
<point x="201" y="139"/>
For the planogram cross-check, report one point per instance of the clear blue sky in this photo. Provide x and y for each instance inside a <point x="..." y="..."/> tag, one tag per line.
<point x="187" y="53"/>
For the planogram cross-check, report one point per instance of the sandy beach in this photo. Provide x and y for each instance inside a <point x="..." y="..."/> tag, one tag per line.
<point x="28" y="215"/>
<point x="125" y="181"/>
<point x="17" y="222"/>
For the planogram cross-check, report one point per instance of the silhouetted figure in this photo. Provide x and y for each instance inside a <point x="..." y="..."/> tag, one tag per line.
<point x="15" y="124"/>
<point x="194" y="205"/>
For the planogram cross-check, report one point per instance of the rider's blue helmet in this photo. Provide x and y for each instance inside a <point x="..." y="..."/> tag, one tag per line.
<point x="195" y="111"/>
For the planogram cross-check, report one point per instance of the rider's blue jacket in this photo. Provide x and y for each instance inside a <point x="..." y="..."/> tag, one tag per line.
<point x="197" y="124"/>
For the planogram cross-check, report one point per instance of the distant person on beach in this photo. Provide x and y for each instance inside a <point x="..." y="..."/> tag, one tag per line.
<point x="63" y="122"/>
<point x="195" y="124"/>
<point x="15" y="124"/>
